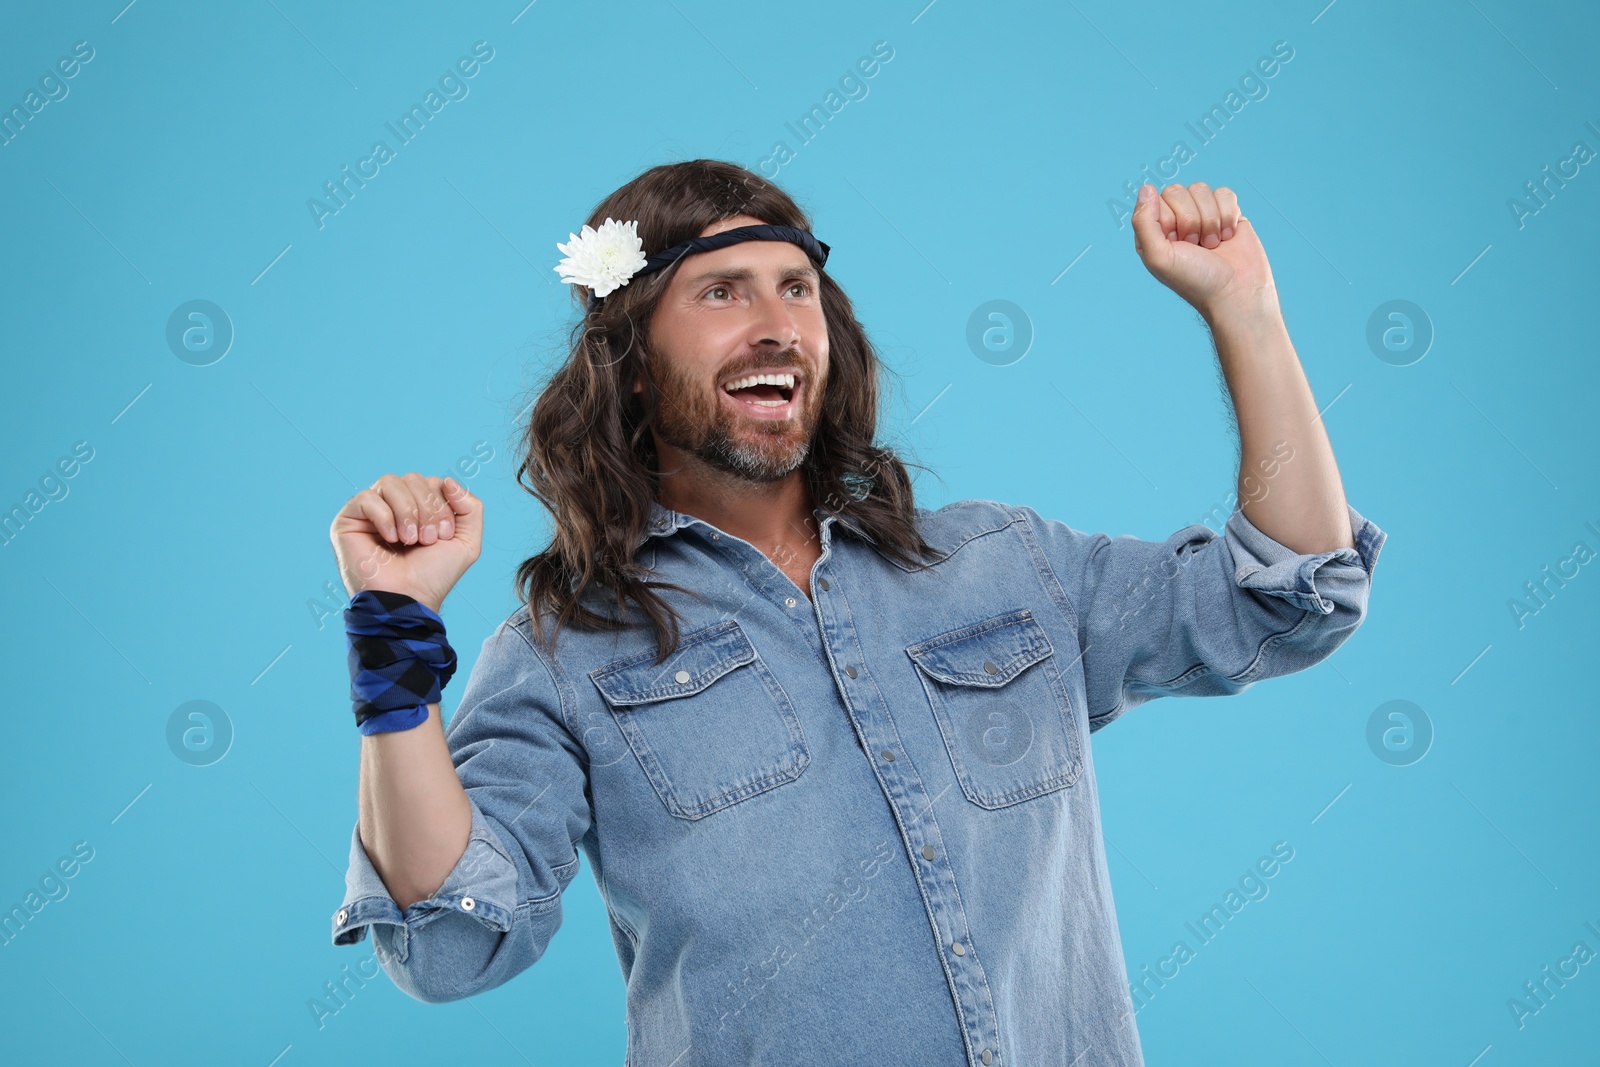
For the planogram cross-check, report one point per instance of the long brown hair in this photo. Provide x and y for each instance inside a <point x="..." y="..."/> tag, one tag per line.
<point x="589" y="455"/>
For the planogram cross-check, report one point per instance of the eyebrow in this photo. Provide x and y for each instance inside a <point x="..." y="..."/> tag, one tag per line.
<point x="745" y="274"/>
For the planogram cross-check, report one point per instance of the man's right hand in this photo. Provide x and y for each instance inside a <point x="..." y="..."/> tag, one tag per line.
<point x="408" y="534"/>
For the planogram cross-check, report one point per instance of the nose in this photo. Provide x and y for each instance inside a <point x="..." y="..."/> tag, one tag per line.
<point x="771" y="322"/>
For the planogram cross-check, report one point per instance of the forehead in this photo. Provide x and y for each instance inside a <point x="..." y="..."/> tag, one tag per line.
<point x="730" y="223"/>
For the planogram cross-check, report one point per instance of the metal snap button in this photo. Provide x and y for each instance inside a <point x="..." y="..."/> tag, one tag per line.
<point x="959" y="949"/>
<point x="789" y="602"/>
<point x="927" y="852"/>
<point x="467" y="903"/>
<point x="851" y="671"/>
<point x="822" y="583"/>
<point x="988" y="1057"/>
<point x="715" y="536"/>
<point x="887" y="754"/>
<point x="681" y="677"/>
<point x="990" y="668"/>
<point x="342" y="916"/>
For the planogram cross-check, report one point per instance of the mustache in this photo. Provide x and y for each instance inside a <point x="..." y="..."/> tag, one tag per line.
<point x="789" y="359"/>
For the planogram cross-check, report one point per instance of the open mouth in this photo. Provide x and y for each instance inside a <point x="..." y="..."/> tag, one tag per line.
<point x="770" y="396"/>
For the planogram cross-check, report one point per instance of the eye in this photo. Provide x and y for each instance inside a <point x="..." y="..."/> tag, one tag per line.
<point x="804" y="287"/>
<point x="716" y="289"/>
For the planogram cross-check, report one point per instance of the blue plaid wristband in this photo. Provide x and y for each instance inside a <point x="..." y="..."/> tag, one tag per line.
<point x="399" y="659"/>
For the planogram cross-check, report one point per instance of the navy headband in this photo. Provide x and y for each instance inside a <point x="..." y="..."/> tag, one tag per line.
<point x="816" y="250"/>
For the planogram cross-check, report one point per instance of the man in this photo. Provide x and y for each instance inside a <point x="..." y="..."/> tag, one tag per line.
<point x="827" y="753"/>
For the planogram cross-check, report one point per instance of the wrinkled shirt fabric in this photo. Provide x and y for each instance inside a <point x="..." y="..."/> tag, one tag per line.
<point x="860" y="826"/>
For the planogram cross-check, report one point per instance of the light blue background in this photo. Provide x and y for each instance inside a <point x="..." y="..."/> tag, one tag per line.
<point x="187" y="559"/>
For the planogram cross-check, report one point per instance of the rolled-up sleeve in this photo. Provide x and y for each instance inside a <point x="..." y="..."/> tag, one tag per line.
<point x="498" y="908"/>
<point x="1201" y="614"/>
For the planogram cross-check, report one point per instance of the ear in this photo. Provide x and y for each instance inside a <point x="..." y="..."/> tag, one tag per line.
<point x="638" y="385"/>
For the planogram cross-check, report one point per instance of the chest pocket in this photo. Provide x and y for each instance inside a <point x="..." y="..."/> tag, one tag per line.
<point x="999" y="700"/>
<point x="710" y="725"/>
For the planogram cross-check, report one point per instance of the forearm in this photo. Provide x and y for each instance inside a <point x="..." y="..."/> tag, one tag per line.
<point x="414" y="816"/>
<point x="1289" y="484"/>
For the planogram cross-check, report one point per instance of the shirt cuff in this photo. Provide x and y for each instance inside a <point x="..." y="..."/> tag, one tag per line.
<point x="1266" y="566"/>
<point x="483" y="884"/>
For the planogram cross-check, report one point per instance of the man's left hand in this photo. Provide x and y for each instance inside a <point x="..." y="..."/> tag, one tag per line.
<point x="1196" y="243"/>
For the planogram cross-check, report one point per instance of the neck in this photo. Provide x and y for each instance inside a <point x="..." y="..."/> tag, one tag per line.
<point x="770" y="515"/>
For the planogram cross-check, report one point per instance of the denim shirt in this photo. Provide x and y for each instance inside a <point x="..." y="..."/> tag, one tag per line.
<point x="861" y="826"/>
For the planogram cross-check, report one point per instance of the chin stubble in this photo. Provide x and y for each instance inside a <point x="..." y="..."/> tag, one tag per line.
<point x="705" y="430"/>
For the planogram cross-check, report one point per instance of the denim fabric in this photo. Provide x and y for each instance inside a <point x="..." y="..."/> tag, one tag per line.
<point x="858" y="828"/>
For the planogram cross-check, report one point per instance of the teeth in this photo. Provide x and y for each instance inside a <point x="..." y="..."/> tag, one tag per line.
<point x="784" y="380"/>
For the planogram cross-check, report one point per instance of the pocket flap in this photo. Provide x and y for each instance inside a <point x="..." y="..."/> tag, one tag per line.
<point x="989" y="653"/>
<point x="701" y="658"/>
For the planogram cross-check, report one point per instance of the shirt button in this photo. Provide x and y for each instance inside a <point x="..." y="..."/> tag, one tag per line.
<point x="959" y="949"/>
<point x="789" y="601"/>
<point x="681" y="677"/>
<point x="988" y="1057"/>
<point x="851" y="671"/>
<point x="888" y="755"/>
<point x="467" y="904"/>
<point x="822" y="583"/>
<point x="990" y="668"/>
<point x="342" y="916"/>
<point x="927" y="852"/>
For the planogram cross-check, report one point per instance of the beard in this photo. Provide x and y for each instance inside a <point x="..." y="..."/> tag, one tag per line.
<point x="692" y="418"/>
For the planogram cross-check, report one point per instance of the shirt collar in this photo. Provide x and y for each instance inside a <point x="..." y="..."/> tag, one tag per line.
<point x="664" y="522"/>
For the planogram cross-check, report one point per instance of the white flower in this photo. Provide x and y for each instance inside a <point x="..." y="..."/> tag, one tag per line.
<point x="602" y="259"/>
